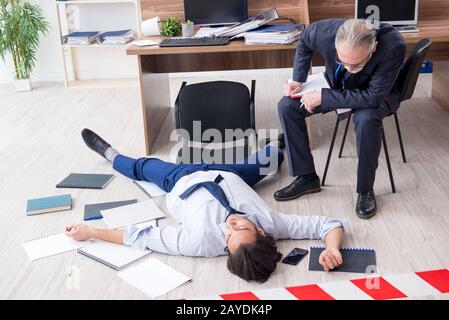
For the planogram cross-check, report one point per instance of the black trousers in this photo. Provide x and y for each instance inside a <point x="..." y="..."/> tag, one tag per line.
<point x="368" y="130"/>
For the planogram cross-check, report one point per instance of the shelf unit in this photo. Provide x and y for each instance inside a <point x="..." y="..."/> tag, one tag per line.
<point x="67" y="51"/>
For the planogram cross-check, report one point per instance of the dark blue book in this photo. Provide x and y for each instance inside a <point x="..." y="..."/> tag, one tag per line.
<point x="82" y="34"/>
<point x="85" y="181"/>
<point x="49" y="204"/>
<point x="92" y="211"/>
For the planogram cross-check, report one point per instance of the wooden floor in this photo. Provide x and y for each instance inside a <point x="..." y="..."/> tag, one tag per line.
<point x="40" y="144"/>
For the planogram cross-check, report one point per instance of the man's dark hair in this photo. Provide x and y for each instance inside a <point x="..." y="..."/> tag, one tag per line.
<point x="255" y="261"/>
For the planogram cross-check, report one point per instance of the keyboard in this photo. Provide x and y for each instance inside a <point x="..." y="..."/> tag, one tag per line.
<point x="193" y="42"/>
<point x="406" y="29"/>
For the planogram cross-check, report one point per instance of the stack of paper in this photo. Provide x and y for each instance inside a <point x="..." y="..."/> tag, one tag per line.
<point x="276" y="34"/>
<point x="119" y="37"/>
<point x="239" y="29"/>
<point x="153" y="277"/>
<point x="80" y="38"/>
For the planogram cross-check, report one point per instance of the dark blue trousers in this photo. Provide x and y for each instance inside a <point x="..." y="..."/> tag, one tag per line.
<point x="166" y="174"/>
<point x="368" y="130"/>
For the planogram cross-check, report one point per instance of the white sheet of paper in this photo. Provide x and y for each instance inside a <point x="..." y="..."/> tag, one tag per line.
<point x="151" y="189"/>
<point x="144" y="43"/>
<point x="131" y="214"/>
<point x="51" y="245"/>
<point x="153" y="277"/>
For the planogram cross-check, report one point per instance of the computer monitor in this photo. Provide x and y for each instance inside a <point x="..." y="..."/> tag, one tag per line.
<point x="215" y="12"/>
<point x="394" y="12"/>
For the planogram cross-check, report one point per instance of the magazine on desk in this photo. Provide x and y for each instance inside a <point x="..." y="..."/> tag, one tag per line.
<point x="238" y="29"/>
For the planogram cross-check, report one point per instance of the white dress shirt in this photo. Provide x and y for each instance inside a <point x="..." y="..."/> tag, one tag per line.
<point x="201" y="218"/>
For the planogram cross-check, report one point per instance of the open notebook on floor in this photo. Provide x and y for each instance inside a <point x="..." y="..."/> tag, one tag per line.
<point x="356" y="260"/>
<point x="316" y="81"/>
<point x="150" y="189"/>
<point x="153" y="277"/>
<point x="131" y="214"/>
<point x="112" y="255"/>
<point x="51" y="245"/>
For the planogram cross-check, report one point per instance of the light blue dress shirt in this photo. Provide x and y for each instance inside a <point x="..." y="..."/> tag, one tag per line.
<point x="201" y="219"/>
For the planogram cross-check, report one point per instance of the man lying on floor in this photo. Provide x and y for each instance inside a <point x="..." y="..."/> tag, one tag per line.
<point x="218" y="212"/>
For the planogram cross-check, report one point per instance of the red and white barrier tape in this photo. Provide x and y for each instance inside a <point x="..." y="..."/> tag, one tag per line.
<point x="407" y="285"/>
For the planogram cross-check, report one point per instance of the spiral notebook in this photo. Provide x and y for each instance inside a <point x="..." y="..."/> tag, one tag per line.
<point x="356" y="260"/>
<point x="112" y="255"/>
<point x="85" y="181"/>
<point x="92" y="211"/>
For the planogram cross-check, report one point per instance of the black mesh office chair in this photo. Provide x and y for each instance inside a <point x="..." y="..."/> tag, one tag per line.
<point x="219" y="105"/>
<point x="405" y="83"/>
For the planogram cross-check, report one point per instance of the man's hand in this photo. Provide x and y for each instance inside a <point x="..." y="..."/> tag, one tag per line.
<point x="311" y="100"/>
<point x="330" y="259"/>
<point x="79" y="232"/>
<point x="292" y="87"/>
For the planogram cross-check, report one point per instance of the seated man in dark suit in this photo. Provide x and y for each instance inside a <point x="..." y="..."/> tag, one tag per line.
<point x="362" y="64"/>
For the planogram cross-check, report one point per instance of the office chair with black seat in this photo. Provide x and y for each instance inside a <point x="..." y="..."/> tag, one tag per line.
<point x="405" y="84"/>
<point x="218" y="121"/>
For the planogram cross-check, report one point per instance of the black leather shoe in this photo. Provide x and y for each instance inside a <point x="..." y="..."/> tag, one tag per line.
<point x="280" y="138"/>
<point x="95" y="142"/>
<point x="366" y="207"/>
<point x="297" y="188"/>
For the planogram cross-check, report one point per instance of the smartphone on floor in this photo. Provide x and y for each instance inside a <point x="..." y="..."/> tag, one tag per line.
<point x="294" y="256"/>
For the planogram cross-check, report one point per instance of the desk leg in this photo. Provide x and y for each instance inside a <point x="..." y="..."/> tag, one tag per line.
<point x="155" y="95"/>
<point x="440" y="83"/>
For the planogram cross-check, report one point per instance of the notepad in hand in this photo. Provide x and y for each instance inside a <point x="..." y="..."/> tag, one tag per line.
<point x="112" y="255"/>
<point x="356" y="260"/>
<point x="131" y="214"/>
<point x="85" y="181"/>
<point x="49" y="204"/>
<point x="314" y="82"/>
<point x="92" y="211"/>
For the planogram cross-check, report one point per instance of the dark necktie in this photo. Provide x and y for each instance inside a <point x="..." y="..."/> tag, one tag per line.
<point x="214" y="188"/>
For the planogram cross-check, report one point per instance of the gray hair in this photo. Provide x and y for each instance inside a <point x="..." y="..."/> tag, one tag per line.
<point x="356" y="33"/>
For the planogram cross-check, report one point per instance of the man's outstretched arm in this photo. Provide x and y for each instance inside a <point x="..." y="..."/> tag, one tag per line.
<point x="82" y="232"/>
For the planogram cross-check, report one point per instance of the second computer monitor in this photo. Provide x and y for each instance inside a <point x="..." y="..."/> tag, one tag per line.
<point x="394" y="12"/>
<point x="215" y="12"/>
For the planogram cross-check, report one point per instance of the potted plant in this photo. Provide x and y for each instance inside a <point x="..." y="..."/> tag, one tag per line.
<point x="21" y="25"/>
<point x="171" y="27"/>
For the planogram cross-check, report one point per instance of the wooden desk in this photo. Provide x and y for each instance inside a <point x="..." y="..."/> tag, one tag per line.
<point x="156" y="63"/>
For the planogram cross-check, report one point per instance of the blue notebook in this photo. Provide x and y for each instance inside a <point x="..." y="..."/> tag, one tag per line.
<point x="92" y="211"/>
<point x="356" y="260"/>
<point x="49" y="204"/>
<point x="277" y="28"/>
<point x="82" y="34"/>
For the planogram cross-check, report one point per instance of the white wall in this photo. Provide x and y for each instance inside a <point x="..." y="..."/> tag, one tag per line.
<point x="91" y="63"/>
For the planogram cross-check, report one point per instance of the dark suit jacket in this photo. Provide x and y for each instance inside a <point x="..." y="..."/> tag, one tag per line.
<point x="367" y="89"/>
